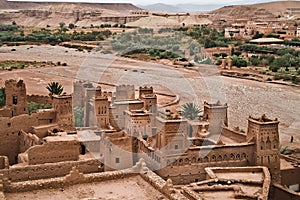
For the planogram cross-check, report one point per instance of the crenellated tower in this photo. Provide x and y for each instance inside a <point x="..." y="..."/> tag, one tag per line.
<point x="216" y="115"/>
<point x="16" y="98"/>
<point x="62" y="104"/>
<point x="264" y="132"/>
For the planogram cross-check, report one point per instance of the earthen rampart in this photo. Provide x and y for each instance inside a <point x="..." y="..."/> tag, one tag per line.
<point x="233" y="134"/>
<point x="49" y="170"/>
<point x="39" y="99"/>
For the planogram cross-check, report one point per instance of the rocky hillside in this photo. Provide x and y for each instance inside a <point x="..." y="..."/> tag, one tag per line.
<point x="272" y="8"/>
<point x="41" y="14"/>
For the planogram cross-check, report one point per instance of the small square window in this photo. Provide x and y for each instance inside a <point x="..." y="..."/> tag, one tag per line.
<point x="176" y="146"/>
<point x="117" y="160"/>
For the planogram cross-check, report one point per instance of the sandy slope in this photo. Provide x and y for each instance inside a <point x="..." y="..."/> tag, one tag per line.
<point x="274" y="8"/>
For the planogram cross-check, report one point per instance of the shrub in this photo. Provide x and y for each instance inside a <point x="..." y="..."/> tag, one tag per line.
<point x="32" y="106"/>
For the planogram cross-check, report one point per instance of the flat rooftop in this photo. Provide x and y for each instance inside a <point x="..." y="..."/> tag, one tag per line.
<point x="133" y="188"/>
<point x="232" y="183"/>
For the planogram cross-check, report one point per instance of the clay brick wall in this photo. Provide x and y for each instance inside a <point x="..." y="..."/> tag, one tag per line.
<point x="279" y="192"/>
<point x="234" y="135"/>
<point x="16" y="98"/>
<point x="39" y="99"/>
<point x="74" y="176"/>
<point x="290" y="176"/>
<point x="190" y="166"/>
<point x="5" y="112"/>
<point x="4" y="162"/>
<point x="27" y="140"/>
<point x="49" y="170"/>
<point x="117" y="152"/>
<point x="9" y="132"/>
<point x="53" y="152"/>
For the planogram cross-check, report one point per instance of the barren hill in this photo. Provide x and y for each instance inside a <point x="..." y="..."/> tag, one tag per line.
<point x="41" y="14"/>
<point x="123" y="7"/>
<point x="272" y="8"/>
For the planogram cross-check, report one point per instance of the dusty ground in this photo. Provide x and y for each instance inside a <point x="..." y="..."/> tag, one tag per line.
<point x="244" y="97"/>
<point x="134" y="188"/>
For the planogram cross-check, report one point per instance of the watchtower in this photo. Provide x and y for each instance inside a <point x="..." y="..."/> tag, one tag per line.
<point x="145" y="91"/>
<point x="216" y="115"/>
<point x="16" y="98"/>
<point x="62" y="104"/>
<point x="102" y="111"/>
<point x="264" y="132"/>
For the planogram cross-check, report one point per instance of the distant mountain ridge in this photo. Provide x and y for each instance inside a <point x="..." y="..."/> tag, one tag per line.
<point x="201" y="7"/>
<point x="274" y="8"/>
<point x="181" y="7"/>
<point x="4" y="4"/>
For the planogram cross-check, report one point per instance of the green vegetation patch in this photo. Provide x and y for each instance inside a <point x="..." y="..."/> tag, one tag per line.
<point x="11" y="65"/>
<point x="32" y="106"/>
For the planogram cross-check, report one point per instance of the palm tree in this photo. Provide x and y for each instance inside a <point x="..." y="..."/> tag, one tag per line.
<point x="54" y="88"/>
<point x="190" y="111"/>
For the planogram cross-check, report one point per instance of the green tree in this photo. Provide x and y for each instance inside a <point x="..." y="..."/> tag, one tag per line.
<point x="54" y="88"/>
<point x="32" y="106"/>
<point x="78" y="115"/>
<point x="190" y="111"/>
<point x="2" y="97"/>
<point x="71" y="26"/>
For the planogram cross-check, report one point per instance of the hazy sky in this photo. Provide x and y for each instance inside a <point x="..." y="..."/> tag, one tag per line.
<point x="174" y="2"/>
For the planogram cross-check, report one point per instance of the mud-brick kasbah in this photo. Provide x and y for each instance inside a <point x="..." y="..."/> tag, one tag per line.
<point x="125" y="133"/>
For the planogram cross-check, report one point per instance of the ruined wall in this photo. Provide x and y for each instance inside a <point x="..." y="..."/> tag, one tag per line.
<point x="10" y="127"/>
<point x="27" y="140"/>
<point x="39" y="99"/>
<point x="16" y="98"/>
<point x="49" y="170"/>
<point x="53" y="152"/>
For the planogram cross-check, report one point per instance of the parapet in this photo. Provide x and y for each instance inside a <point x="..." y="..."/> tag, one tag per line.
<point x="145" y="88"/>
<point x="263" y="120"/>
<point x="217" y="104"/>
<point x="63" y="96"/>
<point x="124" y="87"/>
<point x="13" y="82"/>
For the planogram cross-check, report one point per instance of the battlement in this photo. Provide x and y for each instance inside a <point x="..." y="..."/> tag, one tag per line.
<point x="63" y="96"/>
<point x="215" y="105"/>
<point x="144" y="91"/>
<point x="106" y="94"/>
<point x="263" y="120"/>
<point x="146" y="88"/>
<point x="124" y="87"/>
<point x="12" y="82"/>
<point x="149" y="96"/>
